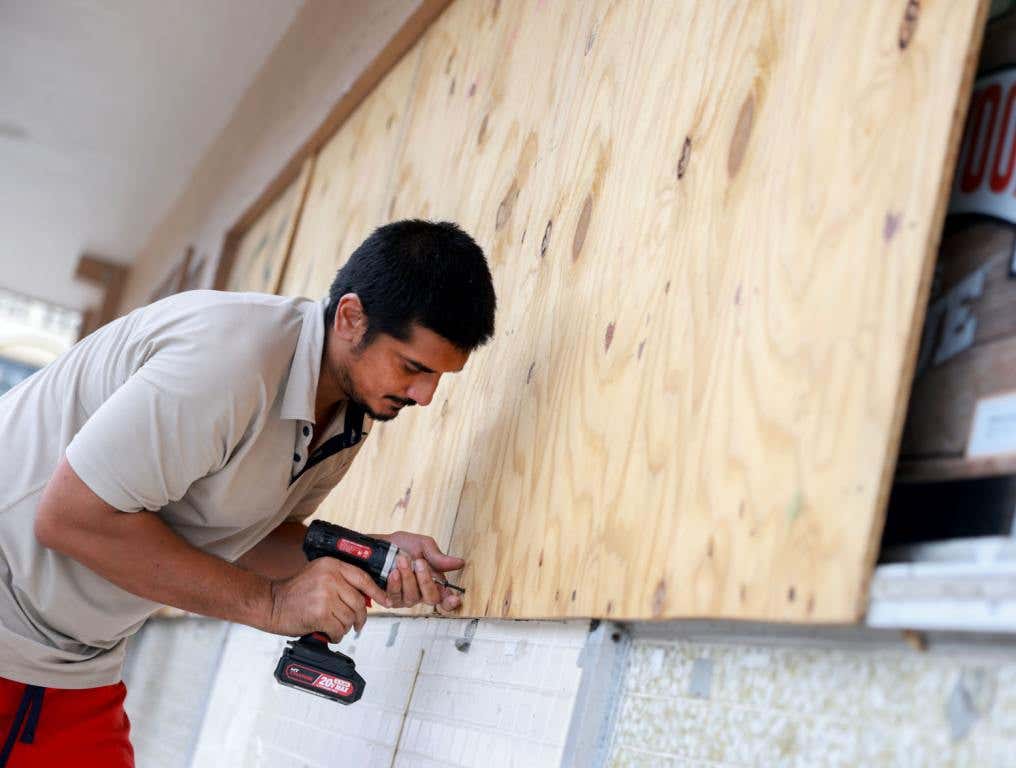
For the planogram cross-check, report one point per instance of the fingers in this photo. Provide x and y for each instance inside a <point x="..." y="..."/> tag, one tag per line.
<point x="365" y="584"/>
<point x="410" y="588"/>
<point x="395" y="588"/>
<point x="353" y="600"/>
<point x="341" y="620"/>
<point x="437" y="559"/>
<point x="412" y="582"/>
<point x="450" y="600"/>
<point x="429" y="590"/>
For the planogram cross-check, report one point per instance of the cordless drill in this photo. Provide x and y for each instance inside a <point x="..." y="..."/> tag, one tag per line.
<point x="308" y="663"/>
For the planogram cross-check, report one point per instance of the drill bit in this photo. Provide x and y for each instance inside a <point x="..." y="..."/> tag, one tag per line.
<point x="449" y="585"/>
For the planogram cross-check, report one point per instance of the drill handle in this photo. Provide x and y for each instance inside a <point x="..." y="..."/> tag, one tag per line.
<point x="316" y="639"/>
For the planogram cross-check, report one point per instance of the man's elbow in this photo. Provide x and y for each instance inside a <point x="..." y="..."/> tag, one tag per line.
<point x="47" y="529"/>
<point x="68" y="511"/>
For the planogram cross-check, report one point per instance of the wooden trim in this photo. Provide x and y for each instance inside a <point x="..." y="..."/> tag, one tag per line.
<point x="227" y="256"/>
<point x="111" y="277"/>
<point x="954" y="468"/>
<point x="403" y="40"/>
<point x="87" y="324"/>
<point x="184" y="268"/>
<point x="175" y="280"/>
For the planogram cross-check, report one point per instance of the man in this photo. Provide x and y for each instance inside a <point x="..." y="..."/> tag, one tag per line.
<point x="170" y="457"/>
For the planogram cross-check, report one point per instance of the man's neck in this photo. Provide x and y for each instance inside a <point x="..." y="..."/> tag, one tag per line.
<point x="328" y="397"/>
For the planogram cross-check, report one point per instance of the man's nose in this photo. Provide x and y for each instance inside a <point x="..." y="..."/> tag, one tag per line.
<point x="422" y="390"/>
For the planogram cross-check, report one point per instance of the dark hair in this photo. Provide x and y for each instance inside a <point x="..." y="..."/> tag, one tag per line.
<point x="425" y="272"/>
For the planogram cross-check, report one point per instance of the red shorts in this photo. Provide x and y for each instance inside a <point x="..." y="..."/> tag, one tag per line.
<point x="45" y="727"/>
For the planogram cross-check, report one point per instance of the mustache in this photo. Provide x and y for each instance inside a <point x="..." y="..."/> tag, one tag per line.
<point x="399" y="400"/>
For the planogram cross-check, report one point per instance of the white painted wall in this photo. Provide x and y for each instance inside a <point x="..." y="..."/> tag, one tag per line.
<point x="326" y="48"/>
<point x="169" y="672"/>
<point x="502" y="698"/>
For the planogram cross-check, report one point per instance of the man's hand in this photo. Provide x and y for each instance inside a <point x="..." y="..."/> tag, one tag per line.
<point x="413" y="581"/>
<point x="326" y="596"/>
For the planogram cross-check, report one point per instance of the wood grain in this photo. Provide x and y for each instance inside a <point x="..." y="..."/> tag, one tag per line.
<point x="262" y="250"/>
<point x="711" y="228"/>
<point x="348" y="196"/>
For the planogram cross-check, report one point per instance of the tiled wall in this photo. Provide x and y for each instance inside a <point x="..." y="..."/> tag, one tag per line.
<point x="700" y="703"/>
<point x="439" y="693"/>
<point x="169" y="672"/>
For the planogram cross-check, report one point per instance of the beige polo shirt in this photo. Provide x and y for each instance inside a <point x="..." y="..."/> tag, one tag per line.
<point x="199" y="407"/>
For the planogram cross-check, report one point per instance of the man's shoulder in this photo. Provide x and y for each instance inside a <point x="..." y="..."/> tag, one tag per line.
<point x="223" y="303"/>
<point x="239" y="326"/>
<point x="259" y="316"/>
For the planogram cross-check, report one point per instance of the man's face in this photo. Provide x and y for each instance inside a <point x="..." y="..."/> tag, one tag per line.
<point x="388" y="374"/>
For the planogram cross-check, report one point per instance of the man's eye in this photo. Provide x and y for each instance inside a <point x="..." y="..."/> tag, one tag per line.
<point x="410" y="369"/>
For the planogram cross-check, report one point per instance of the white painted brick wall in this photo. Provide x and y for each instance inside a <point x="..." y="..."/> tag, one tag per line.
<point x="505" y="699"/>
<point x="170" y="668"/>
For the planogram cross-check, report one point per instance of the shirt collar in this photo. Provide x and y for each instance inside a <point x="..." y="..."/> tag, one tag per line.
<point x="304" y="371"/>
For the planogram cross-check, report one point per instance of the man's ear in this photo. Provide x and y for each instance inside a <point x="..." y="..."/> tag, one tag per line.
<point x="350" y="322"/>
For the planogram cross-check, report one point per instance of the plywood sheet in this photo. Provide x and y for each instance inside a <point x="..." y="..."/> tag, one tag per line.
<point x="393" y="484"/>
<point x="262" y="250"/>
<point x="348" y="196"/>
<point x="711" y="228"/>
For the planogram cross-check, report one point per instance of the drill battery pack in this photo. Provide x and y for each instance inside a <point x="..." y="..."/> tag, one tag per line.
<point x="309" y="665"/>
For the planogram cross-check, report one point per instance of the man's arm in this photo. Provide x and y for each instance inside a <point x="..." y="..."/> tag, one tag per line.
<point x="280" y="554"/>
<point x="141" y="554"/>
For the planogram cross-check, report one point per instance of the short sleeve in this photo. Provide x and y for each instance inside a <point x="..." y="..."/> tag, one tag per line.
<point x="171" y="423"/>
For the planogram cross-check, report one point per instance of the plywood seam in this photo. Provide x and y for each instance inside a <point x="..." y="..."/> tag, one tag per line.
<point x="458" y="507"/>
<point x="308" y="178"/>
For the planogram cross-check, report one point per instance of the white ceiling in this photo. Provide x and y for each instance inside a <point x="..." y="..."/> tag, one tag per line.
<point x="106" y="106"/>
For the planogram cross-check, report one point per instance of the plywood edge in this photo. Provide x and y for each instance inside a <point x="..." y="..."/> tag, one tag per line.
<point x="977" y="30"/>
<point x="306" y="177"/>
<point x="401" y="43"/>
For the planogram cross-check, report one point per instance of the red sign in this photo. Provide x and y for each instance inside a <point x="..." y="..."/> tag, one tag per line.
<point x="986" y="174"/>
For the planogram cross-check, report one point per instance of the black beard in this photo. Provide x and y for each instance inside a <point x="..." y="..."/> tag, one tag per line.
<point x="376" y="416"/>
<point x="354" y="397"/>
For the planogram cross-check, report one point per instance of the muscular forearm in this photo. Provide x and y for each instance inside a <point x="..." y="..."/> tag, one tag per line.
<point x="141" y="554"/>
<point x="280" y="554"/>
